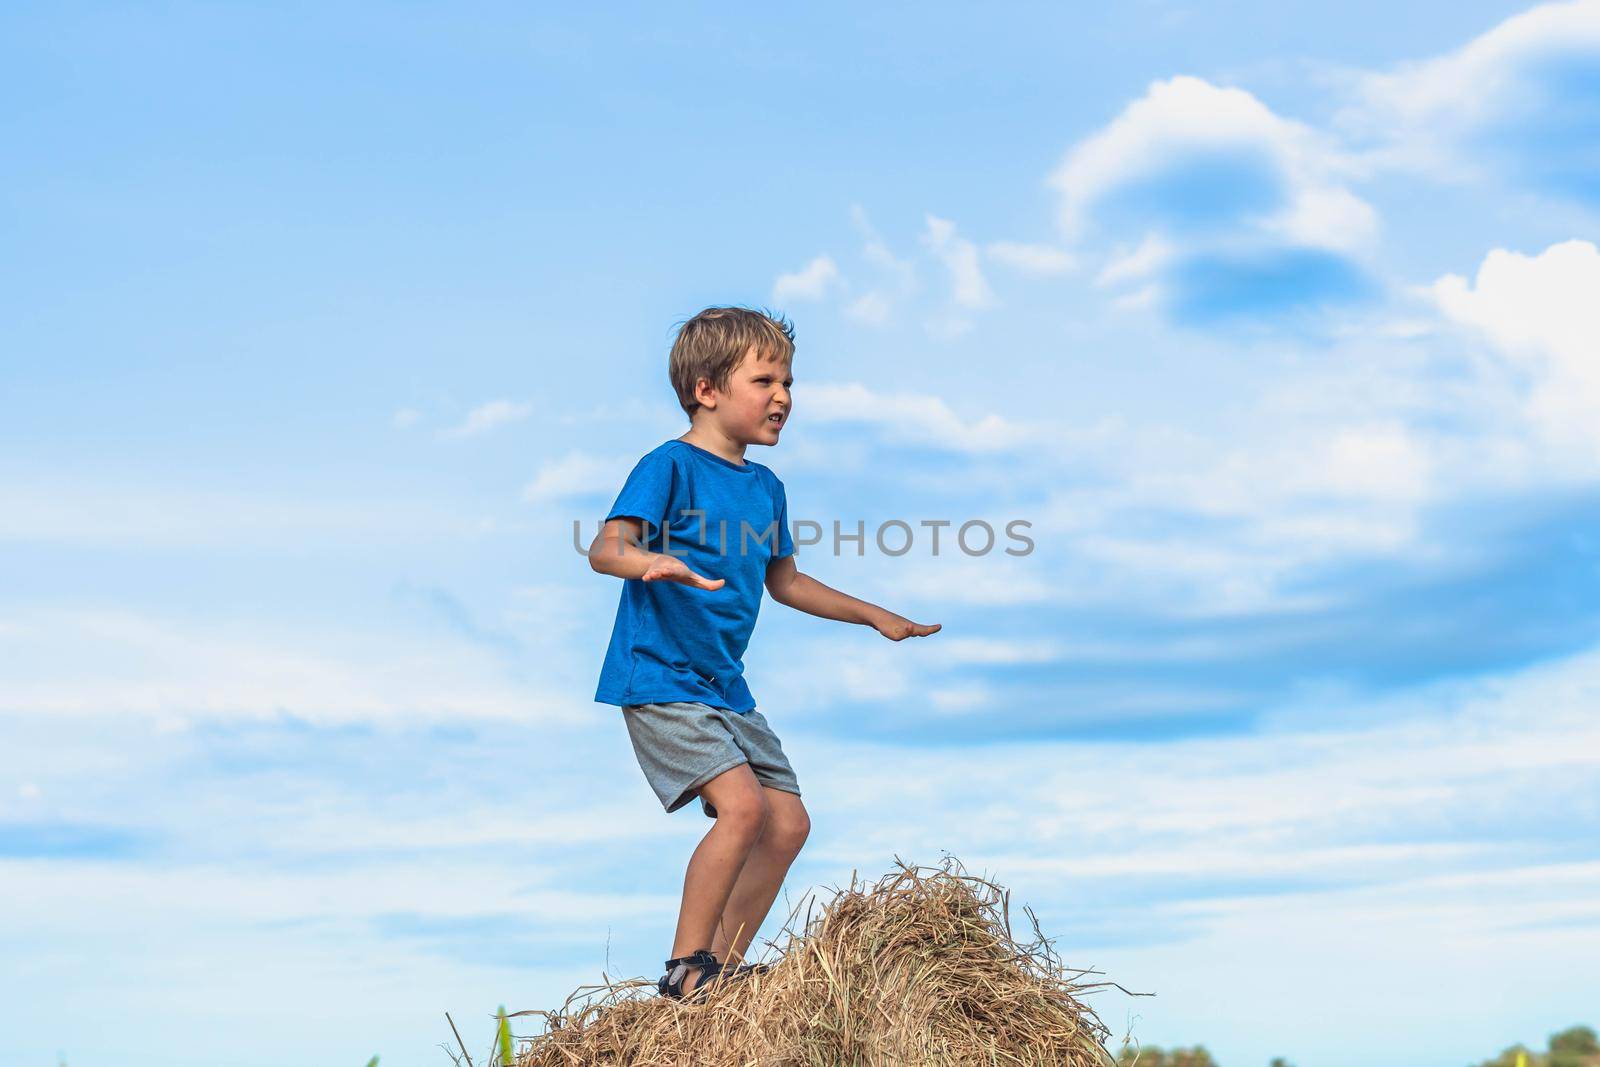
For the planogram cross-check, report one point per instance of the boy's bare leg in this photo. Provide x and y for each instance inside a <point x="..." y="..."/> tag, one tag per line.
<point x="717" y="861"/>
<point x="762" y="875"/>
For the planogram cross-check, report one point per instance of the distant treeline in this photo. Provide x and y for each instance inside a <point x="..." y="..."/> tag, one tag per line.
<point x="1573" y="1047"/>
<point x="1576" y="1046"/>
<point x="1150" y="1056"/>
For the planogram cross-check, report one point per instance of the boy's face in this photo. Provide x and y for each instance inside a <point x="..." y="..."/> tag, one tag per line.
<point x="756" y="404"/>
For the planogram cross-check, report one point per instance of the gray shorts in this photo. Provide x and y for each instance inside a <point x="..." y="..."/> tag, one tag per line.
<point x="684" y="744"/>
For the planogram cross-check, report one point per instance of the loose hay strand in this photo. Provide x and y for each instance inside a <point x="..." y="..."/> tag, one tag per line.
<point x="919" y="970"/>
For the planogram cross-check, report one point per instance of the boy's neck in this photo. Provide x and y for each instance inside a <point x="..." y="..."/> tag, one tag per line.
<point x="715" y="441"/>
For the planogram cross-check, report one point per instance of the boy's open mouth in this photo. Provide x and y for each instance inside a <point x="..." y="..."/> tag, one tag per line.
<point x="776" y="417"/>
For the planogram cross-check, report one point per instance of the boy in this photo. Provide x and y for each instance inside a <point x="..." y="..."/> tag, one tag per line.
<point x="718" y="530"/>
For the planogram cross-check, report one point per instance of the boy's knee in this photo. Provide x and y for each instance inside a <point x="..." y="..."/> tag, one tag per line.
<point x="749" y="820"/>
<point x="746" y="810"/>
<point x="790" y="831"/>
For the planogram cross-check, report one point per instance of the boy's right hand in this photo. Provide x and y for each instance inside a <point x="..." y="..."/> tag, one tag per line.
<point x="665" y="568"/>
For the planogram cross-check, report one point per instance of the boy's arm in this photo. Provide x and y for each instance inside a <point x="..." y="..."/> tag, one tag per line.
<point x="616" y="551"/>
<point x="804" y="593"/>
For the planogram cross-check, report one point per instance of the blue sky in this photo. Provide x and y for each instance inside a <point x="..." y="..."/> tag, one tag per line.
<point x="322" y="327"/>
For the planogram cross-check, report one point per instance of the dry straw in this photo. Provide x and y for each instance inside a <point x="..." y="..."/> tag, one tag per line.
<point x="919" y="969"/>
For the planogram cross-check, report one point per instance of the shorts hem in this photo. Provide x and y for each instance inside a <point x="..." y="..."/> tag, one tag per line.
<point x="686" y="794"/>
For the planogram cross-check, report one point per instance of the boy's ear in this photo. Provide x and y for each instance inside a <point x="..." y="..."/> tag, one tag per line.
<point x="705" y="393"/>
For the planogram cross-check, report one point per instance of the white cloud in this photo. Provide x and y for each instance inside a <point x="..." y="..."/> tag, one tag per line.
<point x="952" y="580"/>
<point x="811" y="282"/>
<point x="486" y="417"/>
<point x="1030" y="258"/>
<point x="53" y="508"/>
<point x="1195" y="578"/>
<point x="914" y="417"/>
<point x="1421" y="114"/>
<point x="1345" y="465"/>
<point x="1152" y="253"/>
<point x="1185" y="120"/>
<point x="121" y="662"/>
<point x="1291" y="486"/>
<point x="1330" y="454"/>
<point x="576" y="474"/>
<point x="947" y="326"/>
<point x="871" y="308"/>
<point x="1372" y="462"/>
<point x="988" y="650"/>
<point x="895" y="277"/>
<point x="900" y="274"/>
<point x="968" y="287"/>
<point x="1450" y="815"/>
<point x="637" y="410"/>
<point x="1456" y="745"/>
<point x="1140" y="299"/>
<point x="1258" y="862"/>
<point x="1542" y="313"/>
<point x="860" y="667"/>
<point x="961" y="698"/>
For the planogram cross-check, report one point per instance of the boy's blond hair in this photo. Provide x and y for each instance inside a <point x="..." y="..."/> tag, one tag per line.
<point x="712" y="343"/>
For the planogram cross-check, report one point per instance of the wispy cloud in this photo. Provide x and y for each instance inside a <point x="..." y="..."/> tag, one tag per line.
<point x="968" y="287"/>
<point x="54" y="508"/>
<point x="1516" y="104"/>
<point x="486" y="417"/>
<point x="811" y="282"/>
<point x="894" y="278"/>
<point x="914" y="417"/>
<point x="576" y="475"/>
<point x="95" y="661"/>
<point x="1031" y="258"/>
<point x="899" y="274"/>
<point x="872" y="308"/>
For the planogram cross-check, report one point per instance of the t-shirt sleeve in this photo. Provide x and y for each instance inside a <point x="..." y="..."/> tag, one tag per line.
<point x="785" y="538"/>
<point x="647" y="492"/>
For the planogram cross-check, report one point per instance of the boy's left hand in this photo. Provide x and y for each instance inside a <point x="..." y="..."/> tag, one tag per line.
<point x="897" y="628"/>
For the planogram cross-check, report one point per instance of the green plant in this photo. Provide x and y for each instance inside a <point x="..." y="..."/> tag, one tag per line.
<point x="507" y="1058"/>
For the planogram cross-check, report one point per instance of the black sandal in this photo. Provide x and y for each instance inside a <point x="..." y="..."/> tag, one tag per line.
<point x="671" y="983"/>
<point x="712" y="969"/>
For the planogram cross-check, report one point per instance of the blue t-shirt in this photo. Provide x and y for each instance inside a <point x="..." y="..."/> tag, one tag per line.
<point x="724" y="520"/>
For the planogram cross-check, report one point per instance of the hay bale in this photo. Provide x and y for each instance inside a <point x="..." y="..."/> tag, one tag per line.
<point x="919" y="969"/>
